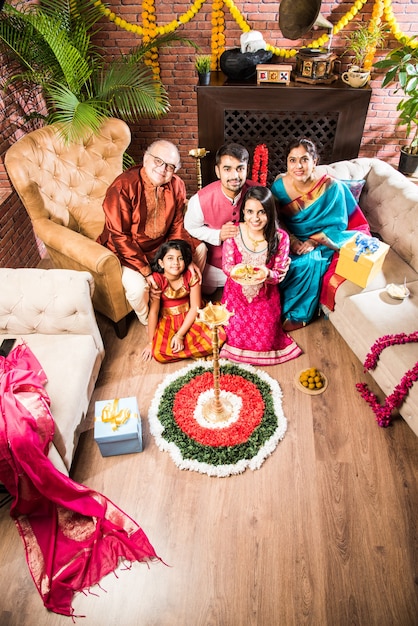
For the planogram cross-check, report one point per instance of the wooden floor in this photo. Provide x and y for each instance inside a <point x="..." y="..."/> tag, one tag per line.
<point x="324" y="533"/>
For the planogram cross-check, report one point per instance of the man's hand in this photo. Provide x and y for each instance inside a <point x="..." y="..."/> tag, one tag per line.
<point x="195" y="271"/>
<point x="155" y="291"/>
<point x="228" y="231"/>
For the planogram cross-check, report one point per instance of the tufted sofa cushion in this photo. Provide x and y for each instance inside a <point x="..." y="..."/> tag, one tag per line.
<point x="390" y="203"/>
<point x="62" y="186"/>
<point x="396" y="221"/>
<point x="48" y="302"/>
<point x="71" y="178"/>
<point x="51" y="311"/>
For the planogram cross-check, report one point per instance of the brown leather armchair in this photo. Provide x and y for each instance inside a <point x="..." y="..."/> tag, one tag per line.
<point x="62" y="187"/>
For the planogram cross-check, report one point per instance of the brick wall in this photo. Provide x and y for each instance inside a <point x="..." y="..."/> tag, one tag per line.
<point x="18" y="244"/>
<point x="381" y="137"/>
<point x="19" y="247"/>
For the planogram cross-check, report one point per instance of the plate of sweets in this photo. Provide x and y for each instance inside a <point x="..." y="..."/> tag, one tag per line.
<point x="311" y="381"/>
<point x="245" y="274"/>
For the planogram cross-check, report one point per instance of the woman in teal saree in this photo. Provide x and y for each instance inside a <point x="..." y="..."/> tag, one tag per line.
<point x="321" y="214"/>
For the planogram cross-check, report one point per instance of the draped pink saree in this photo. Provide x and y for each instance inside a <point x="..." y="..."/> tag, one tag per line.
<point x="73" y="536"/>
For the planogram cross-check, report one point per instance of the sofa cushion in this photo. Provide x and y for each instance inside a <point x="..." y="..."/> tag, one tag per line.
<point x="355" y="186"/>
<point x="394" y="270"/>
<point x="367" y="315"/>
<point x="389" y="201"/>
<point x="390" y="206"/>
<point x="72" y="364"/>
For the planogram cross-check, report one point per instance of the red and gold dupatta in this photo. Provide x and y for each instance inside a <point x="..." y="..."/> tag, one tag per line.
<point x="73" y="536"/>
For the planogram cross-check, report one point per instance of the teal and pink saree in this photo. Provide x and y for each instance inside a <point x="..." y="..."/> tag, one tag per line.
<point x="329" y="215"/>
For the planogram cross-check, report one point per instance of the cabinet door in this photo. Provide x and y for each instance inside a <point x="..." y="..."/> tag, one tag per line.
<point x="333" y="116"/>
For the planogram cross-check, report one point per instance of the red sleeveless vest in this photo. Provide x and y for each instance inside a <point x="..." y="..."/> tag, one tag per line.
<point x="217" y="210"/>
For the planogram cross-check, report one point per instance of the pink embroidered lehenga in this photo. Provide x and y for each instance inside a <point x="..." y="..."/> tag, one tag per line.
<point x="254" y="333"/>
<point x="73" y="536"/>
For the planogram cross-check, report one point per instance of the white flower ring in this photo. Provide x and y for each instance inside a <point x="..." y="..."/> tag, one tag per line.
<point x="245" y="440"/>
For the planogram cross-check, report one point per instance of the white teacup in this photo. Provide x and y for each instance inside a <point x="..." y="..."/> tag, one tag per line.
<point x="355" y="77"/>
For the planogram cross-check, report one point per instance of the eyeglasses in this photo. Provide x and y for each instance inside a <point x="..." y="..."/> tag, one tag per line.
<point x="167" y="166"/>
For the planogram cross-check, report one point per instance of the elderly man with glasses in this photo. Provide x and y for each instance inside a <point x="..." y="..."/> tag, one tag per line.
<point x="144" y="208"/>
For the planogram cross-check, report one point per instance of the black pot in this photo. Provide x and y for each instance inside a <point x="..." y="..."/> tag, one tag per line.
<point x="408" y="164"/>
<point x="237" y="65"/>
<point x="204" y="78"/>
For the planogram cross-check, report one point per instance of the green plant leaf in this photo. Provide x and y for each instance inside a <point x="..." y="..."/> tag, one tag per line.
<point x="49" y="46"/>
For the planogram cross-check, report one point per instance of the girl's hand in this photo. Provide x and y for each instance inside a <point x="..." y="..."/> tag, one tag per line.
<point x="146" y="353"/>
<point x="177" y="343"/>
<point x="268" y="273"/>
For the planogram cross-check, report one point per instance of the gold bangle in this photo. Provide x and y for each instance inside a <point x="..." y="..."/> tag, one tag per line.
<point x="179" y="336"/>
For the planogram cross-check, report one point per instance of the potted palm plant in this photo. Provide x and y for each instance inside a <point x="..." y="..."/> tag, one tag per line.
<point x="361" y="41"/>
<point x="401" y="67"/>
<point x="202" y="65"/>
<point x="50" y="47"/>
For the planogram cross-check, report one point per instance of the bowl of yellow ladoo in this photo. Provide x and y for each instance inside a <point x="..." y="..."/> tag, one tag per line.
<point x="311" y="381"/>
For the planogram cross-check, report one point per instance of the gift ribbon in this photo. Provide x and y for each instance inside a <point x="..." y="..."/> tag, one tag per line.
<point x="112" y="414"/>
<point x="365" y="245"/>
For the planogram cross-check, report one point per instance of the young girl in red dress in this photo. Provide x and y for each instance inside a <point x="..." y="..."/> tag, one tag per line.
<point x="173" y="331"/>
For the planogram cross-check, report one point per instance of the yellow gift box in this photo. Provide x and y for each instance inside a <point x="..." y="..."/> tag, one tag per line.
<point x="357" y="263"/>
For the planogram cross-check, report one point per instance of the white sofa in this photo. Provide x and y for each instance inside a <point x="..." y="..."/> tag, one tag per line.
<point x="51" y="310"/>
<point x="390" y="203"/>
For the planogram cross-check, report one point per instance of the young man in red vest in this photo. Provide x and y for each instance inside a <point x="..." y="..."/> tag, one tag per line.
<point x="213" y="212"/>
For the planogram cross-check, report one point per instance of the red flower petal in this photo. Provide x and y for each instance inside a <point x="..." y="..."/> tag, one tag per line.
<point x="250" y="417"/>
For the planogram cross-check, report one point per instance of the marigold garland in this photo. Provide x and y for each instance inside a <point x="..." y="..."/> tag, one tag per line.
<point x="374" y="23"/>
<point x="260" y="164"/>
<point x="218" y="33"/>
<point x="381" y="8"/>
<point x="395" y="399"/>
<point x="149" y="33"/>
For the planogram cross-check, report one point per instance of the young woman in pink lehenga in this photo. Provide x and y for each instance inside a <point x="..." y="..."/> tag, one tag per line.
<point x="254" y="333"/>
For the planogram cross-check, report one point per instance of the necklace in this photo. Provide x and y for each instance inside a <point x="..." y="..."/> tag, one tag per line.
<point x="302" y="192"/>
<point x="255" y="242"/>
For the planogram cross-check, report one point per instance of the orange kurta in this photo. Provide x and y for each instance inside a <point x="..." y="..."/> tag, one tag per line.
<point x="140" y="217"/>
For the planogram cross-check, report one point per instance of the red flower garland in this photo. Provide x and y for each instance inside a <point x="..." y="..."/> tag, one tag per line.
<point x="260" y="163"/>
<point x="395" y="399"/>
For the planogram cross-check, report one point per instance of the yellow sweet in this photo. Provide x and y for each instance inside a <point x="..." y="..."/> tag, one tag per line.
<point x="311" y="378"/>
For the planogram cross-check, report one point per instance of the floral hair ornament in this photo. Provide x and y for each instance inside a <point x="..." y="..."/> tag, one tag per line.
<point x="260" y="164"/>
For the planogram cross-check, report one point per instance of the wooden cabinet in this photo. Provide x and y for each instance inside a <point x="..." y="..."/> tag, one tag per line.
<point x="333" y="116"/>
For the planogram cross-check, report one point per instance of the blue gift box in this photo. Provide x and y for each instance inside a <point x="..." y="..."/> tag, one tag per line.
<point x="117" y="426"/>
